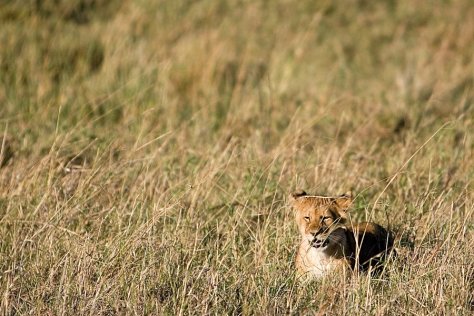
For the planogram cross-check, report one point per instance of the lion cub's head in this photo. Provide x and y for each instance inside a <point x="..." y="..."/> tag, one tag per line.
<point x="321" y="219"/>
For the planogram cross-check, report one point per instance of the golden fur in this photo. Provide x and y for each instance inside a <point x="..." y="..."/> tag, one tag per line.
<point x="330" y="242"/>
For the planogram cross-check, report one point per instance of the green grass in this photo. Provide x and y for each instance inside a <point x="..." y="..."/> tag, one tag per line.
<point x="148" y="149"/>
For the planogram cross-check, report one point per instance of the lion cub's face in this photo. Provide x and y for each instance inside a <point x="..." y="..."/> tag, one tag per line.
<point x="321" y="220"/>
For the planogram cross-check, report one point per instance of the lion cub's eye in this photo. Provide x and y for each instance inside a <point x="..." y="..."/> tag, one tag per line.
<point x="306" y="218"/>
<point x="324" y="218"/>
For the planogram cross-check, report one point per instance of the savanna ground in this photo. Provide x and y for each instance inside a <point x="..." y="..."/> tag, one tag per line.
<point x="148" y="149"/>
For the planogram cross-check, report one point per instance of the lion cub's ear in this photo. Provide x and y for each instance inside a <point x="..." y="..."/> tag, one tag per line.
<point x="294" y="198"/>
<point x="297" y="194"/>
<point x="344" y="201"/>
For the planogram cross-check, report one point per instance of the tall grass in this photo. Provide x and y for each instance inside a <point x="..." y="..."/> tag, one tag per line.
<point x="148" y="147"/>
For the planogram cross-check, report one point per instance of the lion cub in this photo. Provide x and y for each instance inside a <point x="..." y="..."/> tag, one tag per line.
<point x="330" y="242"/>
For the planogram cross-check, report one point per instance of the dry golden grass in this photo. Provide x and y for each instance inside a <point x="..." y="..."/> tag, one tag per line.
<point x="147" y="150"/>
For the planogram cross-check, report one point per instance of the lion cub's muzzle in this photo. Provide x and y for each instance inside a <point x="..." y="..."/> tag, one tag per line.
<point x="319" y="241"/>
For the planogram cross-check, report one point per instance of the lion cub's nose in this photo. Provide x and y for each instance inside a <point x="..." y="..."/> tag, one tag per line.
<point x="312" y="231"/>
<point x="315" y="232"/>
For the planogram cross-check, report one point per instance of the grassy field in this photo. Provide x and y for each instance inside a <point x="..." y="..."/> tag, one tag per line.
<point x="148" y="149"/>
